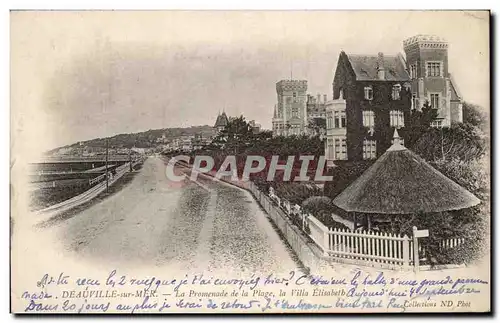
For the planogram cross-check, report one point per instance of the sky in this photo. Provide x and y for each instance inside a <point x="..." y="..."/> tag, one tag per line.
<point x="82" y="75"/>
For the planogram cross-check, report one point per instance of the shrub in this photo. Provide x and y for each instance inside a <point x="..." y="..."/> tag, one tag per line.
<point x="321" y="208"/>
<point x="295" y="193"/>
<point x="317" y="204"/>
<point x="471" y="175"/>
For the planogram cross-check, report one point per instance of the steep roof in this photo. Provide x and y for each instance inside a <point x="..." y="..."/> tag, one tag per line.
<point x="365" y="67"/>
<point x="401" y="182"/>
<point x="455" y="93"/>
<point x="221" y="121"/>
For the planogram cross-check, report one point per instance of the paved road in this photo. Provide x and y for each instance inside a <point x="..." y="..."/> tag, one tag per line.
<point x="186" y="225"/>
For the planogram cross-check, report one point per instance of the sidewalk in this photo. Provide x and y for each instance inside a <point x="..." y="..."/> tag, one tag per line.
<point x="227" y="179"/>
<point x="245" y="185"/>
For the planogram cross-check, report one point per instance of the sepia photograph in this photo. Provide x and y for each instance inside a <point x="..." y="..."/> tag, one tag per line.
<point x="250" y="162"/>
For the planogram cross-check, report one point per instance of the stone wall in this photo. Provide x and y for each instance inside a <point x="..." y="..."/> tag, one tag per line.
<point x="306" y="250"/>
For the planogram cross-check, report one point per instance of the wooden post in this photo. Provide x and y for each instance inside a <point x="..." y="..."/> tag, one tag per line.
<point x="416" y="258"/>
<point x="107" y="175"/>
<point x="406" y="252"/>
<point x="130" y="159"/>
<point x="326" y="240"/>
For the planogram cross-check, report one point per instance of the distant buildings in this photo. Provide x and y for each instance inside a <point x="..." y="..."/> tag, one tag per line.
<point x="221" y="122"/>
<point x="297" y="112"/>
<point x="427" y="64"/>
<point x="290" y="115"/>
<point x="255" y="126"/>
<point x="187" y="143"/>
<point x="141" y="151"/>
<point x="374" y="94"/>
<point x="316" y="114"/>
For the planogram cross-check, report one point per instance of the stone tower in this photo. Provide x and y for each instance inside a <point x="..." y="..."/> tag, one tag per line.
<point x="427" y="63"/>
<point x="290" y="115"/>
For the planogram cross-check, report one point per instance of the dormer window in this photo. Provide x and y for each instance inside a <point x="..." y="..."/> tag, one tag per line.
<point x="396" y="92"/>
<point x="368" y="93"/>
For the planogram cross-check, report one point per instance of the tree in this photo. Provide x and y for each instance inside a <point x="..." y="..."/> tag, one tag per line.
<point x="475" y="116"/>
<point x="316" y="125"/>
<point x="462" y="141"/>
<point x="235" y="135"/>
<point x="420" y="122"/>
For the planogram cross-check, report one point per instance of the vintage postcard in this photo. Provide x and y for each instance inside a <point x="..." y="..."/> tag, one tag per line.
<point x="250" y="162"/>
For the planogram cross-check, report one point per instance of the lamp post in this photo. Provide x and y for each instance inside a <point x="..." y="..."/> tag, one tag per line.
<point x="107" y="174"/>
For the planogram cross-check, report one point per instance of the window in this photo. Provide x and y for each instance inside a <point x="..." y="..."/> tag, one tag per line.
<point x="295" y="112"/>
<point x="413" y="71"/>
<point x="397" y="118"/>
<point x="339" y="117"/>
<point x="330" y="153"/>
<point x="396" y="91"/>
<point x="414" y="101"/>
<point x="368" y="93"/>
<point x="368" y="118"/>
<point x="329" y="121"/>
<point x="369" y="149"/>
<point x="433" y="69"/>
<point x="434" y="98"/>
<point x="340" y="152"/>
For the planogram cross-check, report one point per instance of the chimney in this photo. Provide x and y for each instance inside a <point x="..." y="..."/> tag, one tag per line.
<point x="380" y="66"/>
<point x="319" y="99"/>
<point x="324" y="98"/>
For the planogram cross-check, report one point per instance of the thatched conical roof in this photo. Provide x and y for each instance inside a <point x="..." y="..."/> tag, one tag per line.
<point x="401" y="182"/>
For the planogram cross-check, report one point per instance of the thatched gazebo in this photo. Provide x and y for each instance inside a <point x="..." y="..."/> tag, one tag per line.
<point x="402" y="183"/>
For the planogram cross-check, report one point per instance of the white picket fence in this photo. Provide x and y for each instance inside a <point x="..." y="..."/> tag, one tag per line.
<point x="377" y="249"/>
<point x="451" y="243"/>
<point x="382" y="248"/>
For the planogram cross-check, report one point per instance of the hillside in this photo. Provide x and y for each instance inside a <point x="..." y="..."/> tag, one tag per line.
<point x="145" y="139"/>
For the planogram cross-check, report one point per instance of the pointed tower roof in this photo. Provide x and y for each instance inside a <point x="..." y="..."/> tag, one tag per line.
<point x="397" y="143"/>
<point x="401" y="182"/>
<point x="222" y="120"/>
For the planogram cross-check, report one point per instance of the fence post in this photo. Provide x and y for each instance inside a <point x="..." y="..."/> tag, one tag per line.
<point x="326" y="240"/>
<point x="416" y="258"/>
<point x="406" y="252"/>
